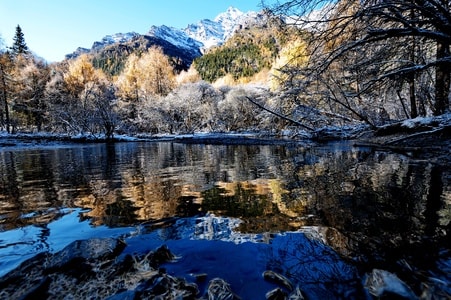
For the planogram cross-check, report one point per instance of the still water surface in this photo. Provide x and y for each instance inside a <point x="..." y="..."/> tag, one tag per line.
<point x="323" y="216"/>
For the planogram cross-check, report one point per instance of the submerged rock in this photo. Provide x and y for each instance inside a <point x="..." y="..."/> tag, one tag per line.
<point x="276" y="294"/>
<point x="93" y="269"/>
<point x="79" y="257"/>
<point x="383" y="283"/>
<point x="164" y="286"/>
<point x="278" y="279"/>
<point x="219" y="289"/>
<point x="296" y="294"/>
<point x="92" y="249"/>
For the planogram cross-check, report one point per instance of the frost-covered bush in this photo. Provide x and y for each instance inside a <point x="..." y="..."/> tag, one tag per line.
<point x="236" y="112"/>
<point x="192" y="107"/>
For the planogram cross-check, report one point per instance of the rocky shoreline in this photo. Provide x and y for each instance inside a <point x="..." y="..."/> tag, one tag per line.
<point x="98" y="269"/>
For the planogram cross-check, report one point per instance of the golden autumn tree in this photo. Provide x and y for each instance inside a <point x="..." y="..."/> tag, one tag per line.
<point x="143" y="78"/>
<point x="157" y="74"/>
<point x="89" y="108"/>
<point x="293" y="55"/>
<point x="128" y="88"/>
<point x="80" y="73"/>
<point x="127" y="82"/>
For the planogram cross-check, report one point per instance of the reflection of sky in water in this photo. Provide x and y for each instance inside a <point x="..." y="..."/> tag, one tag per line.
<point x="382" y="203"/>
<point x="20" y="244"/>
<point x="209" y="245"/>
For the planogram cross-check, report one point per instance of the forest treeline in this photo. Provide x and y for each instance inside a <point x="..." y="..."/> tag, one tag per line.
<point x="329" y="63"/>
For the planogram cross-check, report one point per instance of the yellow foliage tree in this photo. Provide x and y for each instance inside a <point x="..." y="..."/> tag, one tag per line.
<point x="157" y="74"/>
<point x="145" y="76"/>
<point x="128" y="81"/>
<point x="293" y="55"/>
<point x="190" y="76"/>
<point x="343" y="27"/>
<point x="81" y="73"/>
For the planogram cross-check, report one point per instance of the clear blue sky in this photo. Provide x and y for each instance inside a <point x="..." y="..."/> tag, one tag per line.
<point x="54" y="28"/>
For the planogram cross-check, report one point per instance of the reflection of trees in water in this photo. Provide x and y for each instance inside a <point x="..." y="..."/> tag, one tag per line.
<point x="153" y="176"/>
<point x="120" y="213"/>
<point x="386" y="205"/>
<point x="258" y="203"/>
<point x="380" y="195"/>
<point x="313" y="266"/>
<point x="365" y="194"/>
<point x="27" y="188"/>
<point x="239" y="201"/>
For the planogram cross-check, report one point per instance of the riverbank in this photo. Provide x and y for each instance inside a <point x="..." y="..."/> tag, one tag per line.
<point x="420" y="131"/>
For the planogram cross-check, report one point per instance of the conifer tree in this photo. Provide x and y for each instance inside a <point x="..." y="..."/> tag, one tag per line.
<point x="19" y="46"/>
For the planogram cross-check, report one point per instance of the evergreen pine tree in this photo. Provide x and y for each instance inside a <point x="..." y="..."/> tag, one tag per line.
<point x="19" y="45"/>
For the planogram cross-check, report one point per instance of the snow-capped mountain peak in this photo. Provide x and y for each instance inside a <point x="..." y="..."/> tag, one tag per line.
<point x="114" y="38"/>
<point x="175" y="36"/>
<point x="229" y="16"/>
<point x="203" y="34"/>
<point x="208" y="33"/>
<point x="215" y="32"/>
<point x="195" y="37"/>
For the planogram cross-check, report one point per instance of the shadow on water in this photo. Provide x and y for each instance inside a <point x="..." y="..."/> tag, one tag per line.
<point x="322" y="216"/>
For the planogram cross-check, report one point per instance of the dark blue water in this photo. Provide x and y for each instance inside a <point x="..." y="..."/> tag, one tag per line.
<point x="322" y="216"/>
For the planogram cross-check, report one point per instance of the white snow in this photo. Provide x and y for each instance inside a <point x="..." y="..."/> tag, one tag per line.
<point x="119" y="37"/>
<point x="412" y="123"/>
<point x="199" y="36"/>
<point x="443" y="120"/>
<point x="175" y="36"/>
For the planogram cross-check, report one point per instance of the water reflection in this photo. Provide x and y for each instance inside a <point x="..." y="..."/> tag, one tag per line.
<point x="369" y="206"/>
<point x="364" y="192"/>
<point x="125" y="183"/>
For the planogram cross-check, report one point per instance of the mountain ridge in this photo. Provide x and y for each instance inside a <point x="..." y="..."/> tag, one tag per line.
<point x="194" y="38"/>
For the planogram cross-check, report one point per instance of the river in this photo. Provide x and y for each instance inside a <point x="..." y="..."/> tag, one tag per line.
<point x="322" y="215"/>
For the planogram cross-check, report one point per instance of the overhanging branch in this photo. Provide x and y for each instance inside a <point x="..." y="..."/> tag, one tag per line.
<point x="280" y="115"/>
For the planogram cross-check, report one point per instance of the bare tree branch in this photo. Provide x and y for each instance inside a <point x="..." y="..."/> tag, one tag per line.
<point x="280" y="115"/>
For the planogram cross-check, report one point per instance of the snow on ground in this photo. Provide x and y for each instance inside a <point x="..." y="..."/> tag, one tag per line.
<point x="442" y="120"/>
<point x="330" y="132"/>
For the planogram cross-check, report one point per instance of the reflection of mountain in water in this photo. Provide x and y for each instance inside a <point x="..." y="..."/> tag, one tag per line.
<point x="350" y="191"/>
<point x="270" y="188"/>
<point x="370" y="206"/>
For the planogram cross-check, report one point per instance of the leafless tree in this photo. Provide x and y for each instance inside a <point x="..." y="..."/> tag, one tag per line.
<point x="29" y="106"/>
<point x="361" y="51"/>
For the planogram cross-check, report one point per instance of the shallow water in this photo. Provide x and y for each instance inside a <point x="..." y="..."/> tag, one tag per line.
<point x="323" y="216"/>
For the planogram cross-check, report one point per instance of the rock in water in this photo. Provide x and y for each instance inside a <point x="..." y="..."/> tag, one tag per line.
<point x="218" y="289"/>
<point x="276" y="294"/>
<point x="278" y="278"/>
<point x="75" y="258"/>
<point x="296" y="294"/>
<point x="381" y="282"/>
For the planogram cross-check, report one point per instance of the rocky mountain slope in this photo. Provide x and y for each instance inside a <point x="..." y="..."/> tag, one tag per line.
<point x="182" y="45"/>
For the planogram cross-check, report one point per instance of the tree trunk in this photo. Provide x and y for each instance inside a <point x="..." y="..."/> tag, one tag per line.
<point x="4" y="97"/>
<point x="442" y="80"/>
<point x="413" y="101"/>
